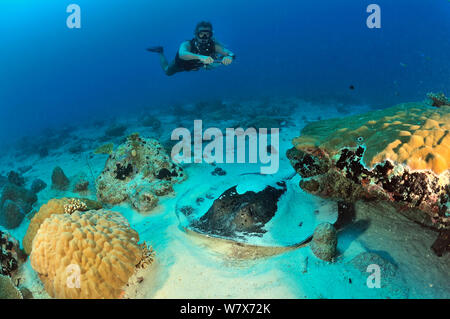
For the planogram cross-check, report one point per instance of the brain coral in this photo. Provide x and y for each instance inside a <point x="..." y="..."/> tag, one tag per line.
<point x="138" y="171"/>
<point x="413" y="133"/>
<point x="85" y="254"/>
<point x="54" y="206"/>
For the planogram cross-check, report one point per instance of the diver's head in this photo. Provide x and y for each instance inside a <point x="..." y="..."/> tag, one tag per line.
<point x="203" y="32"/>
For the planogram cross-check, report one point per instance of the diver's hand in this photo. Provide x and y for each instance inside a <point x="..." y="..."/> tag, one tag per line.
<point x="227" y="60"/>
<point x="206" y="59"/>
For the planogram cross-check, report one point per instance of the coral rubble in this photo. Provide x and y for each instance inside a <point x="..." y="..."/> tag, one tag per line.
<point x="138" y="171"/>
<point x="324" y="242"/>
<point x="15" y="203"/>
<point x="87" y="254"/>
<point x="8" y="290"/>
<point x="11" y="257"/>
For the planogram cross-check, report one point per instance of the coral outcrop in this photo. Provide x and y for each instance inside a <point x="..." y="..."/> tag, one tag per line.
<point x="400" y="154"/>
<point x="59" y="179"/>
<point x="11" y="257"/>
<point x="413" y="134"/>
<point x="55" y="207"/>
<point x="324" y="242"/>
<point x="38" y="185"/>
<point x="15" y="203"/>
<point x="86" y="254"/>
<point x="138" y="171"/>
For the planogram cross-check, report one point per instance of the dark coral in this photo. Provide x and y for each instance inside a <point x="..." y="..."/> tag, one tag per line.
<point x="10" y="255"/>
<point x="38" y="185"/>
<point x="123" y="171"/>
<point x="15" y="203"/>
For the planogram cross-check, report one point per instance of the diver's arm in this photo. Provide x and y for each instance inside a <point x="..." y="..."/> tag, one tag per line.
<point x="222" y="50"/>
<point x="185" y="54"/>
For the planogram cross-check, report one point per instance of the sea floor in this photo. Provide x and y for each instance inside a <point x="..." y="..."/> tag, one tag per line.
<point x="191" y="265"/>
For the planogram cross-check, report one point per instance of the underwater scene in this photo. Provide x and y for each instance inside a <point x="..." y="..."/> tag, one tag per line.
<point x="271" y="149"/>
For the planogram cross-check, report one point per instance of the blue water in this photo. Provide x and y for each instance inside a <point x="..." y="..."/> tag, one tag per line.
<point x="52" y="75"/>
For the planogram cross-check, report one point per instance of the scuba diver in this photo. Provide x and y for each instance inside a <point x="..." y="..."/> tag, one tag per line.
<point x="202" y="51"/>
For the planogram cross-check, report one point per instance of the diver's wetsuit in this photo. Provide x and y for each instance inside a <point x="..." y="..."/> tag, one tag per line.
<point x="180" y="65"/>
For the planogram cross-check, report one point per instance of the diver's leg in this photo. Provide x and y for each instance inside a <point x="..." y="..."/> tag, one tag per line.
<point x="163" y="62"/>
<point x="162" y="59"/>
<point x="171" y="68"/>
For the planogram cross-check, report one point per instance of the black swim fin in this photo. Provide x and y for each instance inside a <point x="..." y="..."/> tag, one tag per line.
<point x="158" y="49"/>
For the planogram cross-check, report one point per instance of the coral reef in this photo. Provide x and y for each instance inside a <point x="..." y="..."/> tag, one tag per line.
<point x="333" y="165"/>
<point x="59" y="179"/>
<point x="8" y="290"/>
<point x="55" y="207"/>
<point x="138" y="171"/>
<point x="438" y="99"/>
<point x="324" y="242"/>
<point x="96" y="252"/>
<point x="15" y="203"/>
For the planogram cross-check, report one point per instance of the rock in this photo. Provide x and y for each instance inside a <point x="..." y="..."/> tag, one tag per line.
<point x="11" y="256"/>
<point x="15" y="178"/>
<point x="116" y="131"/>
<point x="233" y="212"/>
<point x="81" y="186"/>
<point x="38" y="185"/>
<point x="59" y="179"/>
<point x="324" y="242"/>
<point x="11" y="215"/>
<point x="367" y="157"/>
<point x="26" y="293"/>
<point x="21" y="196"/>
<point x="218" y="172"/>
<point x="442" y="243"/>
<point x="8" y="290"/>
